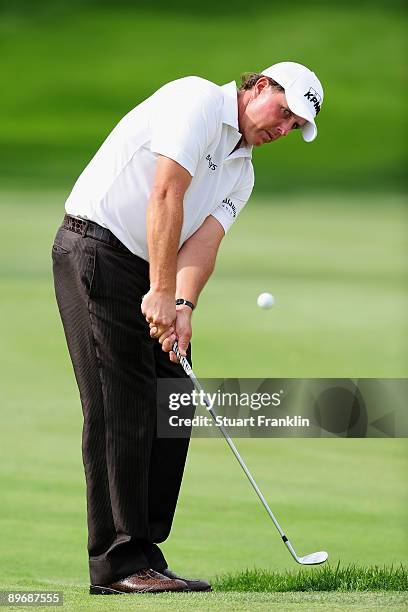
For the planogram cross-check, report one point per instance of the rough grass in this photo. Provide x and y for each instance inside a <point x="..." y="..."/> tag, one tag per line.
<point x="350" y="578"/>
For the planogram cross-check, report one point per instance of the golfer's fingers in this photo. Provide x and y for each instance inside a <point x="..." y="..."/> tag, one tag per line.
<point x="168" y="343"/>
<point x="151" y="322"/>
<point x="160" y="331"/>
<point x="157" y="331"/>
<point x="173" y="357"/>
<point x="167" y="333"/>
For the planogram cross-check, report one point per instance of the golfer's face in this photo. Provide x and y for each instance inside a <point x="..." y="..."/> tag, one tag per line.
<point x="268" y="117"/>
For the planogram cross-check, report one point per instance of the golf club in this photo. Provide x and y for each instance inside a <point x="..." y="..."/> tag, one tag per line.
<point x="313" y="558"/>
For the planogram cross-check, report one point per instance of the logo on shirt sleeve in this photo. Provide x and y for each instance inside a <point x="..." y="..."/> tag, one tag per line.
<point x="229" y="207"/>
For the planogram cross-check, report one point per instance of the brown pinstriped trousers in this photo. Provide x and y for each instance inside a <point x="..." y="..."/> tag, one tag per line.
<point x="132" y="476"/>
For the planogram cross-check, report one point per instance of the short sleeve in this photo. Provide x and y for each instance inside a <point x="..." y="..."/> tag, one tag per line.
<point x="231" y="206"/>
<point x="184" y="118"/>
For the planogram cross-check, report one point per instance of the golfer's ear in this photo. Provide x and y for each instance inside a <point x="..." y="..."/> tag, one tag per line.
<point x="170" y="178"/>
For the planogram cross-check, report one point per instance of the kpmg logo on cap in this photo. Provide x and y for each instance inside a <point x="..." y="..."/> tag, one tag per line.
<point x="314" y="98"/>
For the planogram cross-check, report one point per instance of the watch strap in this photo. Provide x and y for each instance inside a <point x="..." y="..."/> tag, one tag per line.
<point x="181" y="301"/>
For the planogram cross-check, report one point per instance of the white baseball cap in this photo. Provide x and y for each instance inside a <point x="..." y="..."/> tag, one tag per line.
<point x="303" y="91"/>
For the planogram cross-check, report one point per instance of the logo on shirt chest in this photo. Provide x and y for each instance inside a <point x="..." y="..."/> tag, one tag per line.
<point x="210" y="163"/>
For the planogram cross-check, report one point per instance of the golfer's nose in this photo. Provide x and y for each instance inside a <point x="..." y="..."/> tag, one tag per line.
<point x="282" y="129"/>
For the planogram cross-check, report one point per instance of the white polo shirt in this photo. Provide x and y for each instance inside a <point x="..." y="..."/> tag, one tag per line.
<point x="191" y="121"/>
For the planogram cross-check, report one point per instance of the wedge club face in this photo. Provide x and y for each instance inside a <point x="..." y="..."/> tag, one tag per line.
<point x="314" y="558"/>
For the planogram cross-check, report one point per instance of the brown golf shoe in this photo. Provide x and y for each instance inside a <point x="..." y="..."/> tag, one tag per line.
<point x="142" y="581"/>
<point x="193" y="584"/>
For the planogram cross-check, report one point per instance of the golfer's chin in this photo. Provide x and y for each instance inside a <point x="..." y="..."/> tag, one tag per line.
<point x="259" y="139"/>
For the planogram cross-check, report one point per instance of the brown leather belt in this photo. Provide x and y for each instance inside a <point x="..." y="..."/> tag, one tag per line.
<point x="93" y="230"/>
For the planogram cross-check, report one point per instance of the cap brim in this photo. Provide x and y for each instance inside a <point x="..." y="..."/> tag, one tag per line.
<point x="309" y="130"/>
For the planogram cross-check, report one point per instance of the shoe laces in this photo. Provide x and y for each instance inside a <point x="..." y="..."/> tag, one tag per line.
<point x="146" y="574"/>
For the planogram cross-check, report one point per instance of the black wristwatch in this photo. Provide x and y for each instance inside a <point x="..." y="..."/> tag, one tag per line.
<point x="186" y="302"/>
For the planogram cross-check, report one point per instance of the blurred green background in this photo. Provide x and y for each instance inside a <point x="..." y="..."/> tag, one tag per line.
<point x="71" y="70"/>
<point x="325" y="233"/>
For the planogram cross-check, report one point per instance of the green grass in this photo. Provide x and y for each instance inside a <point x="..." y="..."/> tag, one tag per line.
<point x="342" y="588"/>
<point x="336" y="265"/>
<point x="337" y="269"/>
<point x="76" y="598"/>
<point x="326" y="578"/>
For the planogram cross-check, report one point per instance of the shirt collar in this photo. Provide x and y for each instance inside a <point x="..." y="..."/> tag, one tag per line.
<point x="230" y="109"/>
<point x="230" y="115"/>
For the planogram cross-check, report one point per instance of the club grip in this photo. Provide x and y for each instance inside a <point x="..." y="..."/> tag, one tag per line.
<point x="181" y="359"/>
<point x="176" y="350"/>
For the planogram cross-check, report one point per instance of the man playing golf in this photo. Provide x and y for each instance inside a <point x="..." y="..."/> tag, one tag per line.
<point x="139" y="241"/>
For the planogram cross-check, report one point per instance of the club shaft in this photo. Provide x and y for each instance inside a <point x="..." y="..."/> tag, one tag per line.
<point x="189" y="371"/>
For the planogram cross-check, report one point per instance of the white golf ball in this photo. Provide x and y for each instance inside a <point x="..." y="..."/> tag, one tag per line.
<point x="265" y="300"/>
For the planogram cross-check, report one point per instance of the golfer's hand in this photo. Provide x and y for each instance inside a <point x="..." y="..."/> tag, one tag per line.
<point x="159" y="310"/>
<point x="181" y="332"/>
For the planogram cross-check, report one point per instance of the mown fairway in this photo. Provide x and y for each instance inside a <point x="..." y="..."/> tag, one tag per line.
<point x="336" y="268"/>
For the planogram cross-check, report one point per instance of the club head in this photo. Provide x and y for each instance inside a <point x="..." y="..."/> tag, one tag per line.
<point x="314" y="558"/>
